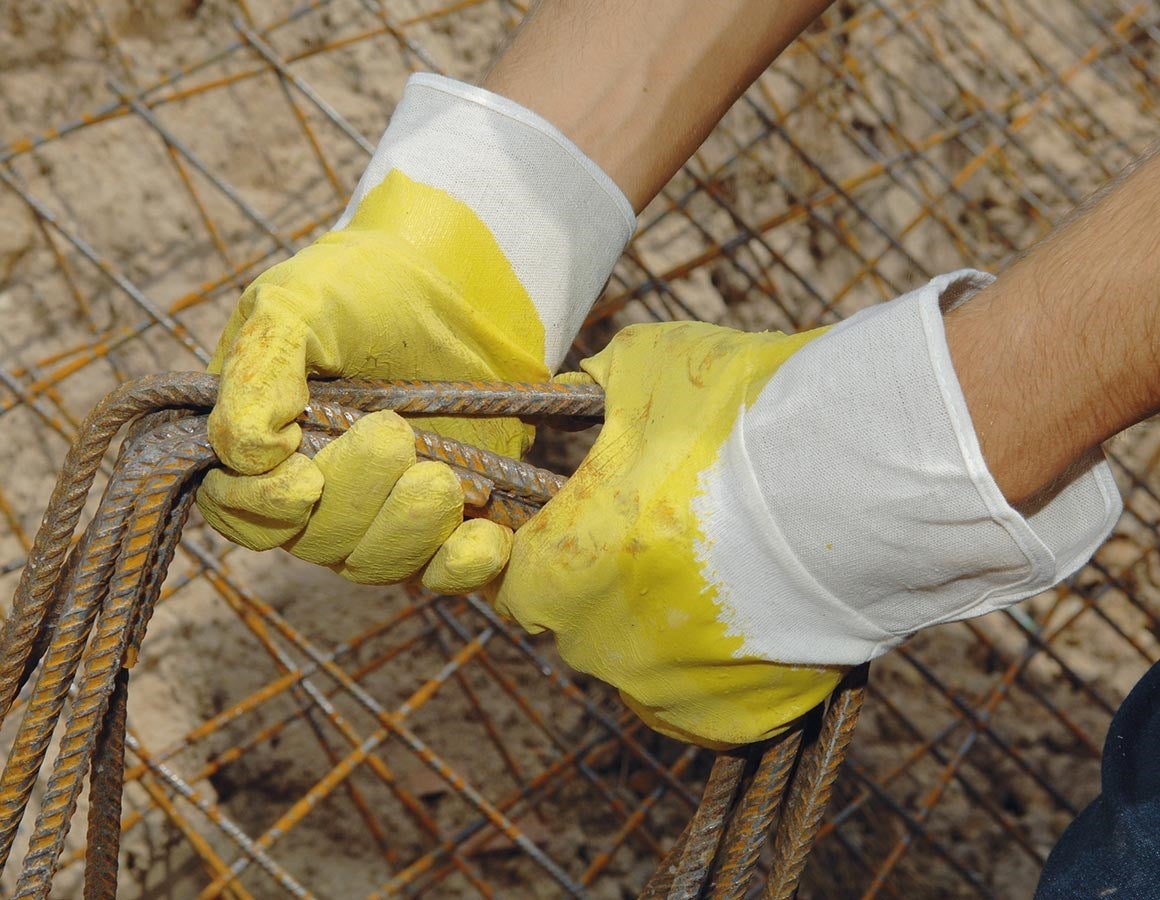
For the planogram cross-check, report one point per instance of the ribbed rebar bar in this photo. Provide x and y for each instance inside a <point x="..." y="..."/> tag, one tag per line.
<point x="115" y="576"/>
<point x="198" y="391"/>
<point x="810" y="791"/>
<point x="707" y="827"/>
<point x="104" y="827"/>
<point x="752" y="821"/>
<point x="138" y="526"/>
<point x="894" y="140"/>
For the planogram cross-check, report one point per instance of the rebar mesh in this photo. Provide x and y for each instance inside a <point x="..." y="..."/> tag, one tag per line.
<point x="156" y="157"/>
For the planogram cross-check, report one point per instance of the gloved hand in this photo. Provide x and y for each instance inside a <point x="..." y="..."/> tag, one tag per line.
<point x="473" y="247"/>
<point x="760" y="511"/>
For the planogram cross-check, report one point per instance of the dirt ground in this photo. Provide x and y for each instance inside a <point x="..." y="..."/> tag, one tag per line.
<point x="903" y="139"/>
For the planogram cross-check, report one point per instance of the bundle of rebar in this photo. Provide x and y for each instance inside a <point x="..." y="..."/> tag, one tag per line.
<point x="92" y="607"/>
<point x="285" y="732"/>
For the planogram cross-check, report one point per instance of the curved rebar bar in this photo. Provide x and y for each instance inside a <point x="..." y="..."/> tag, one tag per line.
<point x="193" y="391"/>
<point x="707" y="827"/>
<point x="810" y="791"/>
<point x="750" y="826"/>
<point x="91" y="607"/>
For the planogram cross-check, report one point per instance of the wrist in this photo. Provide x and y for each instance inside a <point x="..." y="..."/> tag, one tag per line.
<point x="1063" y="351"/>
<point x="1028" y="433"/>
<point x="879" y="499"/>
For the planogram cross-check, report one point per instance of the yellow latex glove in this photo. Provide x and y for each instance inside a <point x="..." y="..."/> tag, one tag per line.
<point x="755" y="501"/>
<point x="613" y="565"/>
<point x="474" y="245"/>
<point x="383" y="297"/>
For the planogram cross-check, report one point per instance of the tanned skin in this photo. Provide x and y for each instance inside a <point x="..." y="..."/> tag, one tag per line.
<point x="639" y="84"/>
<point x="1063" y="351"/>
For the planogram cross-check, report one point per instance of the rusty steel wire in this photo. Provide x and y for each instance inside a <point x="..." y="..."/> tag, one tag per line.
<point x="101" y="598"/>
<point x="286" y="734"/>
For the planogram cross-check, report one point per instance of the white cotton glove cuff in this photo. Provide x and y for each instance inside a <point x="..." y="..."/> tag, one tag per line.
<point x="559" y="219"/>
<point x="862" y="507"/>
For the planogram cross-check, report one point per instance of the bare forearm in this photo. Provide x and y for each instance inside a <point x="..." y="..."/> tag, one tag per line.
<point x="1063" y="351"/>
<point x="639" y="84"/>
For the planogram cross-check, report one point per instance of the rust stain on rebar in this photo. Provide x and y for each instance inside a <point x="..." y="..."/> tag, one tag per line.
<point x="120" y="563"/>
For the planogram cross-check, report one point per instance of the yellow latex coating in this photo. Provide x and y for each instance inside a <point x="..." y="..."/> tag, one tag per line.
<point x="473" y="555"/>
<point x="609" y="565"/>
<point x="423" y="510"/>
<point x="359" y="473"/>
<point x="261" y="511"/>
<point x="414" y="287"/>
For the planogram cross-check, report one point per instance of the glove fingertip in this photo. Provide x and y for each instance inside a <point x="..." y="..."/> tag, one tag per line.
<point x="472" y="557"/>
<point x="573" y="378"/>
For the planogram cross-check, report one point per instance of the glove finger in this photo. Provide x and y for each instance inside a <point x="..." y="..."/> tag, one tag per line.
<point x="423" y="510"/>
<point x="359" y="469"/>
<point x="531" y="580"/>
<point x="261" y="511"/>
<point x="263" y="388"/>
<point x="635" y="350"/>
<point x="474" y="554"/>
<point x="228" y="336"/>
<point x="573" y="378"/>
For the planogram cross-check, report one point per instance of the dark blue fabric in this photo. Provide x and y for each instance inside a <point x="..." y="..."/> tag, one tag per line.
<point x="1112" y="849"/>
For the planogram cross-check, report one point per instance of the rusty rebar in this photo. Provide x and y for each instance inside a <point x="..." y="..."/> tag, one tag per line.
<point x="707" y="827"/>
<point x="894" y="140"/>
<point x="810" y="791"/>
<point x="140" y="517"/>
<point x="190" y="390"/>
<point x="752" y="821"/>
<point x="113" y="579"/>
<point x="107" y="783"/>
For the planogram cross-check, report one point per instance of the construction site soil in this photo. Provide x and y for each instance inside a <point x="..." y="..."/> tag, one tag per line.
<point x="900" y="140"/>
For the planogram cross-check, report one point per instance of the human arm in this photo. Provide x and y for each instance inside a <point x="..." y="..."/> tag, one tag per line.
<point x="860" y="485"/>
<point x="638" y="85"/>
<point x="647" y="83"/>
<point x="474" y="244"/>
<point x="1063" y="351"/>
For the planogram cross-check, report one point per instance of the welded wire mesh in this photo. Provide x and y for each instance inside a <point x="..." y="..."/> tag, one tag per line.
<point x="155" y="157"/>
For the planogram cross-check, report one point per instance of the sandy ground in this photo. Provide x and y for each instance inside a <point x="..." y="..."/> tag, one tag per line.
<point x="1020" y="744"/>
